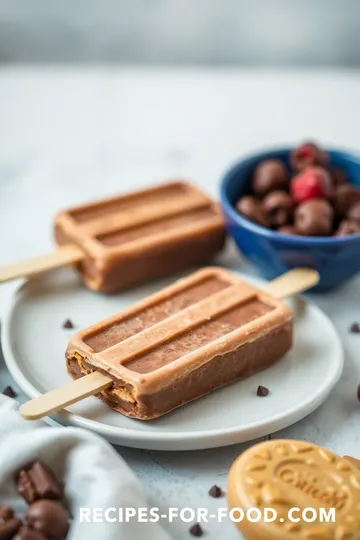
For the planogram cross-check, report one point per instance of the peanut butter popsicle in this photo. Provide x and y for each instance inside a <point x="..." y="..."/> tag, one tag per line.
<point x="202" y="332"/>
<point x="144" y="235"/>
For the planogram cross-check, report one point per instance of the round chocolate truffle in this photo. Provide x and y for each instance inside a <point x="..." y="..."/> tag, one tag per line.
<point x="48" y="517"/>
<point x="344" y="197"/>
<point x="269" y="175"/>
<point x="354" y="212"/>
<point x="314" y="218"/>
<point x="252" y="209"/>
<point x="279" y="208"/>
<point x="307" y="155"/>
<point x="338" y="177"/>
<point x="288" y="229"/>
<point x="347" y="227"/>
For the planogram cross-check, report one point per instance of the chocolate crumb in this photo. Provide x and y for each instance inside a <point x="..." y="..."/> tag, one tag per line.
<point x="68" y="325"/>
<point x="262" y="391"/>
<point x="196" y="530"/>
<point x="358" y="392"/>
<point x="9" y="392"/>
<point x="355" y="328"/>
<point x="215" y="491"/>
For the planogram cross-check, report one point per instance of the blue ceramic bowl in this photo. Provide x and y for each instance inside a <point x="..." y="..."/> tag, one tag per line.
<point x="336" y="258"/>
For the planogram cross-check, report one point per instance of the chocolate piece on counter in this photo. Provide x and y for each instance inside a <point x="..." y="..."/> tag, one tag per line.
<point x="355" y="328"/>
<point x="338" y="177"/>
<point x="344" y="197"/>
<point x="279" y="208"/>
<point x="168" y="228"/>
<point x="6" y="512"/>
<point x="307" y="155"/>
<point x="38" y="482"/>
<point x="354" y="212"/>
<point x="288" y="229"/>
<point x="269" y="175"/>
<point x="9" y="392"/>
<point x="9" y="524"/>
<point x="25" y="533"/>
<point x="252" y="209"/>
<point x="215" y="492"/>
<point x="314" y="218"/>
<point x="347" y="227"/>
<point x="207" y="319"/>
<point x="196" y="530"/>
<point x="49" y="518"/>
<point x="68" y="325"/>
<point x="262" y="391"/>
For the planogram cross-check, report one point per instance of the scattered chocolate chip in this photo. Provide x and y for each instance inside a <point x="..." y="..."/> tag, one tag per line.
<point x="355" y="328"/>
<point x="9" y="392"/>
<point x="6" y="513"/>
<point x="25" y="533"/>
<point x="48" y="517"/>
<point x="68" y="325"/>
<point x="262" y="391"/>
<point x="215" y="491"/>
<point x="38" y="482"/>
<point x="196" y="530"/>
<point x="358" y="392"/>
<point x="9" y="524"/>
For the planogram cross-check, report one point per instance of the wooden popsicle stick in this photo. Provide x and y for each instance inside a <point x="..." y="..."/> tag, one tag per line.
<point x="65" y="395"/>
<point x="292" y="282"/>
<point x="61" y="257"/>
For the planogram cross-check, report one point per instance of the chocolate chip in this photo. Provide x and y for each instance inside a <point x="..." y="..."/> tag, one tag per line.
<point x="9" y="524"/>
<point x="262" y="391"/>
<point x="215" y="491"/>
<point x="355" y="328"/>
<point x="68" y="325"/>
<point x="38" y="482"/>
<point x="48" y="517"/>
<point x="25" y="533"/>
<point x="9" y="392"/>
<point x="196" y="530"/>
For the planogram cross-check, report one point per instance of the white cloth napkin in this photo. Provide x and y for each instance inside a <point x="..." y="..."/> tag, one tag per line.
<point x="95" y="476"/>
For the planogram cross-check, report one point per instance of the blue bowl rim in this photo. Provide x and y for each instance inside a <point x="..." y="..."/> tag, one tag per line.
<point x="269" y="233"/>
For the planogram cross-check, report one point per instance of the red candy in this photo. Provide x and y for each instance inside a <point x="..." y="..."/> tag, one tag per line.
<point x="314" y="183"/>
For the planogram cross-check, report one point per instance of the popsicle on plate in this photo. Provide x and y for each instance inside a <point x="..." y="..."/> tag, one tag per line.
<point x="143" y="235"/>
<point x="204" y="331"/>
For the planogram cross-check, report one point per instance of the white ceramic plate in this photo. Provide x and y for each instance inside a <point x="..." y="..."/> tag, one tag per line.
<point x="34" y="343"/>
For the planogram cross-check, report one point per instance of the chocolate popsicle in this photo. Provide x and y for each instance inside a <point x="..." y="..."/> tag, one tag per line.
<point x="143" y="235"/>
<point x="202" y="332"/>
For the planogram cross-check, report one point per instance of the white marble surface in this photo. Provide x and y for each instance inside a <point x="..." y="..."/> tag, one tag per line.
<point x="70" y="135"/>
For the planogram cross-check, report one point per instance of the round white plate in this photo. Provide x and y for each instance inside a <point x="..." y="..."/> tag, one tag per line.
<point x="34" y="343"/>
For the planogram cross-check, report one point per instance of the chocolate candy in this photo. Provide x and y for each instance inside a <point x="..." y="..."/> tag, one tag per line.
<point x="354" y="212"/>
<point x="252" y="209"/>
<point x="9" y="524"/>
<point x="307" y="155"/>
<point x="279" y="207"/>
<point x="338" y="177"/>
<point x="288" y="229"/>
<point x="344" y="197"/>
<point x="25" y="533"/>
<point x="269" y="175"/>
<point x="314" y="218"/>
<point x="48" y="517"/>
<point x="37" y="482"/>
<point x="348" y="227"/>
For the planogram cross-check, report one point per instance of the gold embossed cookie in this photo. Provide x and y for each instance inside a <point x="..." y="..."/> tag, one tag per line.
<point x="293" y="490"/>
